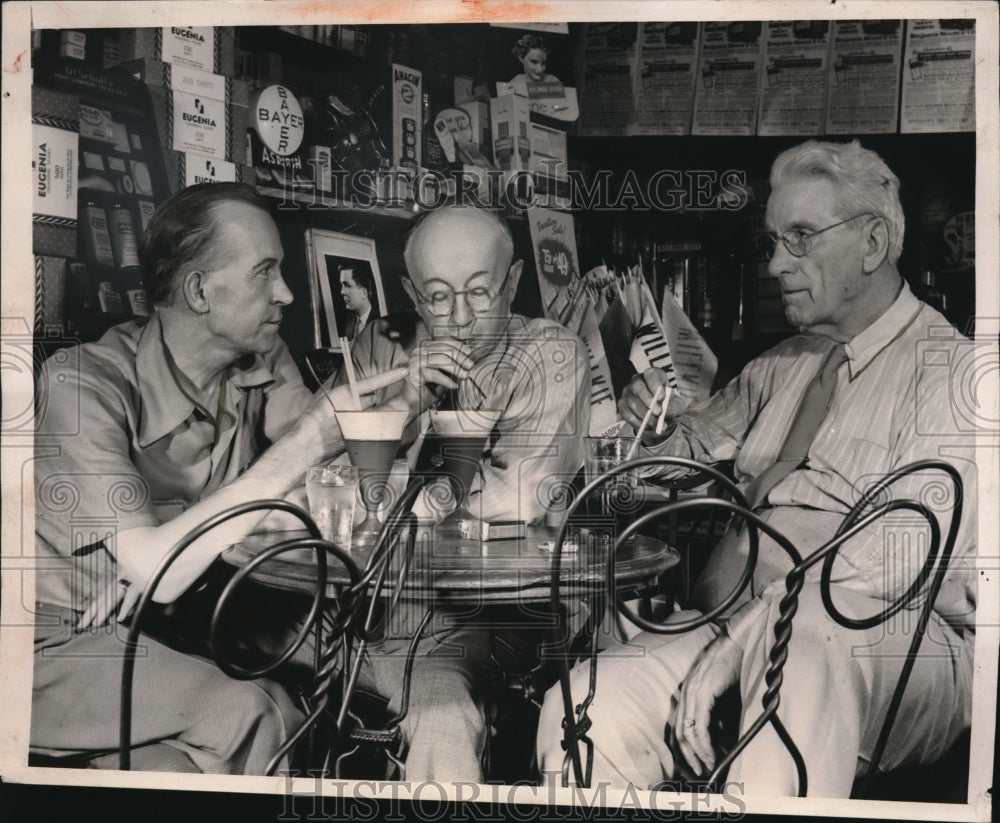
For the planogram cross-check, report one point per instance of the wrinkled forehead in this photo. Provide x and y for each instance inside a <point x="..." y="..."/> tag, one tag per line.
<point x="456" y="244"/>
<point x="802" y="202"/>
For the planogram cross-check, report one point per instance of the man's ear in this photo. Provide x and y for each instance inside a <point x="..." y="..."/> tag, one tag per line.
<point x="194" y="291"/>
<point x="876" y="239"/>
<point x="514" y="277"/>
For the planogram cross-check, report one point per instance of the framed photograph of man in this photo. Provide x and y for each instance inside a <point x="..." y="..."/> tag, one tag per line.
<point x="345" y="286"/>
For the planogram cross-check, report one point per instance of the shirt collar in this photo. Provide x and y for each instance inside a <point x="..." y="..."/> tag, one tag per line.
<point x="163" y="405"/>
<point x="362" y="321"/>
<point x="872" y="341"/>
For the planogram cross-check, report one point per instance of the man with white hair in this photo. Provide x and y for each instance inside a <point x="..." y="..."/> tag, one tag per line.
<point x="835" y="232"/>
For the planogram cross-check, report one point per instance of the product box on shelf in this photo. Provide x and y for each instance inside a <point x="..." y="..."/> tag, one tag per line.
<point x="73" y="45"/>
<point x="99" y="173"/>
<point x="206" y="48"/>
<point x="407" y="117"/>
<point x="55" y="157"/>
<point x="529" y="153"/>
<point x="203" y="117"/>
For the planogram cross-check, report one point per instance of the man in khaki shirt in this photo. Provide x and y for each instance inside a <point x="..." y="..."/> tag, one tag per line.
<point x="140" y="437"/>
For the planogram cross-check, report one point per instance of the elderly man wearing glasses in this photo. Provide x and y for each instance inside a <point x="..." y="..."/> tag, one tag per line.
<point x="810" y="425"/>
<point x="465" y="349"/>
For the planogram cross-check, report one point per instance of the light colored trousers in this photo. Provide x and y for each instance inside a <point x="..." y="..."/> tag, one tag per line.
<point x="837" y="686"/>
<point x="187" y="715"/>
<point x="456" y="679"/>
<point x="212" y="723"/>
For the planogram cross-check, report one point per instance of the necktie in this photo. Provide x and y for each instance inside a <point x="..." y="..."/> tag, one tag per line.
<point x="812" y="410"/>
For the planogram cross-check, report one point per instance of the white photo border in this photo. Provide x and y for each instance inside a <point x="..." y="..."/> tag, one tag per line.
<point x="18" y="311"/>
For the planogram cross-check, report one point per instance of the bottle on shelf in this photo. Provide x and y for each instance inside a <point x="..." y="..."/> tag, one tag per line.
<point x="94" y="244"/>
<point x="124" y="244"/>
<point x="134" y="291"/>
<point x="95" y="241"/>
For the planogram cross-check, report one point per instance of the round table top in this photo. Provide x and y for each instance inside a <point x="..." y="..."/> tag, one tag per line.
<point x="457" y="570"/>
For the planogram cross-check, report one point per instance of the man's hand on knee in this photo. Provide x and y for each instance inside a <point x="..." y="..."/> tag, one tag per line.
<point x="713" y="673"/>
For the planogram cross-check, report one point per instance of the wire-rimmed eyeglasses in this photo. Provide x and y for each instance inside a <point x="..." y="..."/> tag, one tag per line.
<point x="799" y="243"/>
<point x="479" y="299"/>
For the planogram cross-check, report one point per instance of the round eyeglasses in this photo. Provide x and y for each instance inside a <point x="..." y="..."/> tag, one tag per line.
<point x="799" y="243"/>
<point x="479" y="299"/>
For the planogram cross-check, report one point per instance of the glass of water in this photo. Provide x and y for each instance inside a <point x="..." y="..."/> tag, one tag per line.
<point x="332" y="492"/>
<point x="602" y="455"/>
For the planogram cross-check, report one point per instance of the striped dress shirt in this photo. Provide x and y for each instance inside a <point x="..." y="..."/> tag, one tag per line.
<point x="903" y="395"/>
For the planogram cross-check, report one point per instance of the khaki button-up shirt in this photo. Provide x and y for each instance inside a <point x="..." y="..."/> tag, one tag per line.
<point x="120" y="446"/>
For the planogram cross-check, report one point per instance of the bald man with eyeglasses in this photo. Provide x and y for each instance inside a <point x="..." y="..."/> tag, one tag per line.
<point x="810" y="425"/>
<point x="466" y="349"/>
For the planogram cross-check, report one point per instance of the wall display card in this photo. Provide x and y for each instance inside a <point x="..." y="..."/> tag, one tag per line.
<point x="726" y="93"/>
<point x="939" y="76"/>
<point x="199" y="125"/>
<point x="792" y="97"/>
<point x="664" y="93"/>
<point x="53" y="165"/>
<point x="566" y="300"/>
<point x="407" y="117"/>
<point x="864" y="78"/>
<point x="200" y="169"/>
<point x="609" y="63"/>
<point x="192" y="46"/>
<point x="201" y="83"/>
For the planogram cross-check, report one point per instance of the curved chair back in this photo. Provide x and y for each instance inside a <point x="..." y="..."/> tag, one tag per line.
<point x="575" y="721"/>
<point x="329" y="645"/>
<point x="866" y="512"/>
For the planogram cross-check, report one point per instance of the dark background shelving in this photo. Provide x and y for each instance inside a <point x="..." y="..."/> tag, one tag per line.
<point x="937" y="173"/>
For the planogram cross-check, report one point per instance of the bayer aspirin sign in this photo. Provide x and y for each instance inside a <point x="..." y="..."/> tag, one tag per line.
<point x="277" y="117"/>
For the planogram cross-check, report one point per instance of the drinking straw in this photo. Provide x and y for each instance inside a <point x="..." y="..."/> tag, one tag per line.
<point x="352" y="379"/>
<point x="642" y="426"/>
<point x="663" y="412"/>
<point x="326" y="394"/>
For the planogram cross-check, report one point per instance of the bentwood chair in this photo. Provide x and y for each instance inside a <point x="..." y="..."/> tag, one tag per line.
<point x="331" y="622"/>
<point x="867" y="511"/>
<point x="576" y="723"/>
